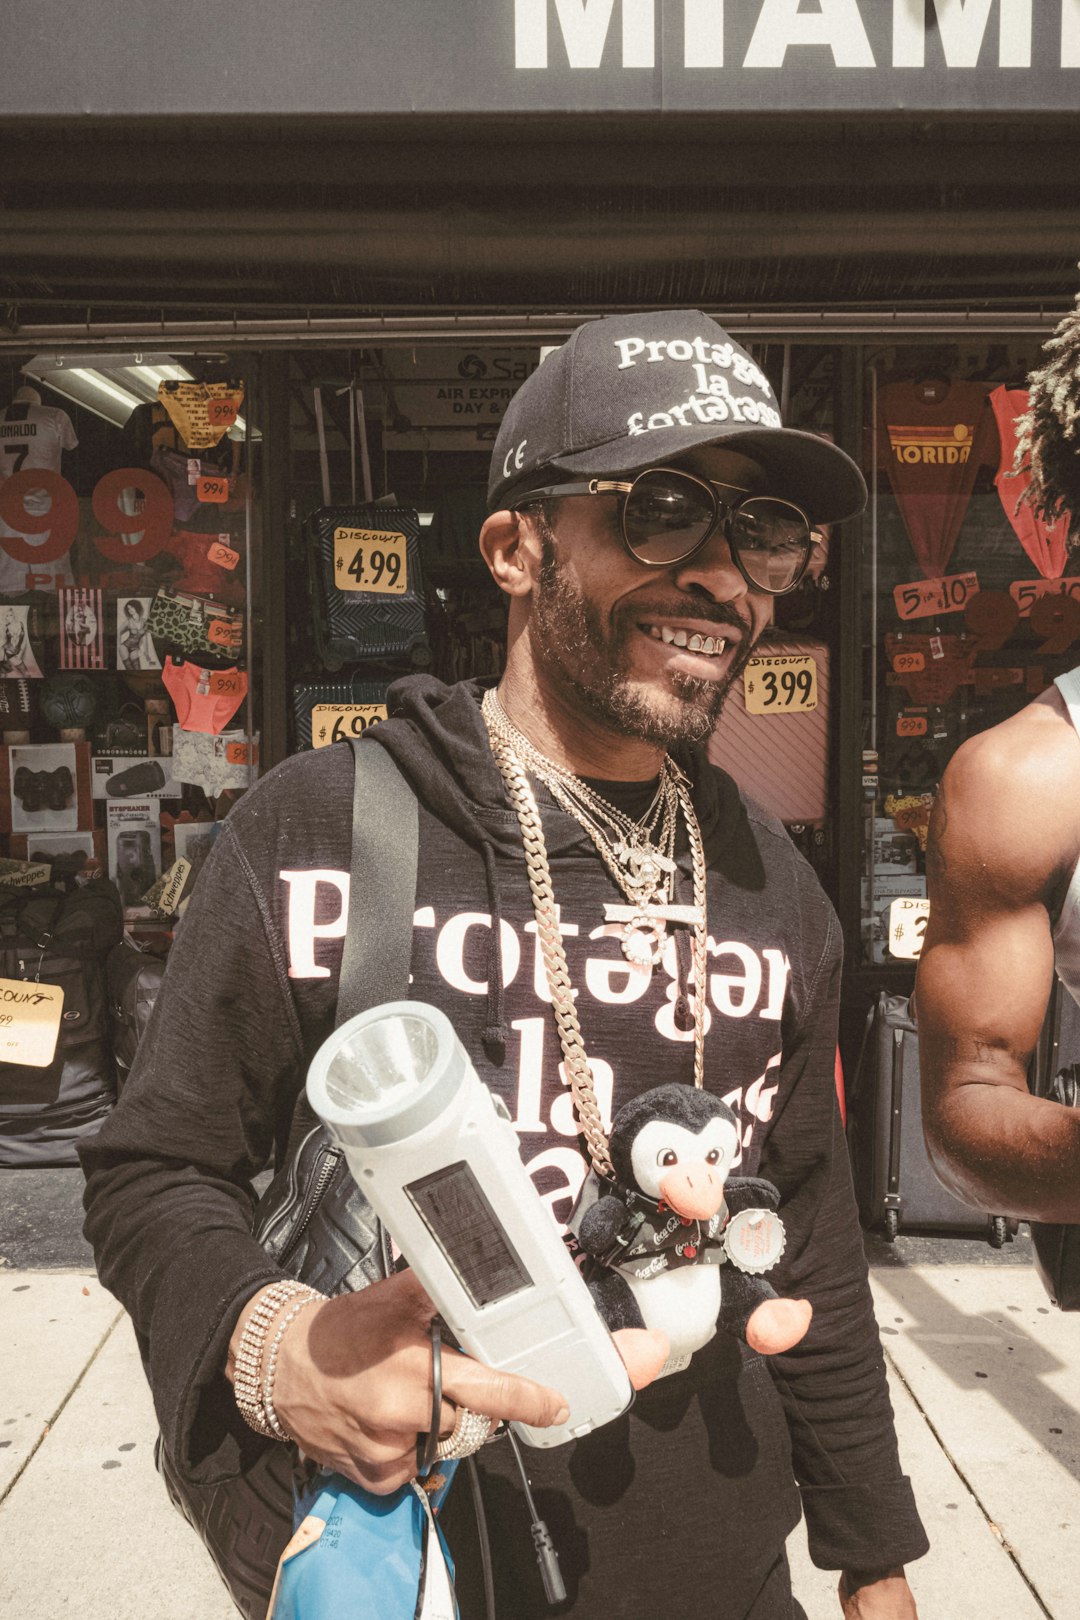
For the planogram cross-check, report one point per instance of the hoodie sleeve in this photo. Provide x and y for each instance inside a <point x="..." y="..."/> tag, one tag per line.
<point x="168" y="1197"/>
<point x="859" y="1506"/>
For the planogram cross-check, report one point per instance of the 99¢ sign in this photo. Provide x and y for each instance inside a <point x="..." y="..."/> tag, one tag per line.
<point x="370" y="560"/>
<point x="781" y="684"/>
<point x="129" y="537"/>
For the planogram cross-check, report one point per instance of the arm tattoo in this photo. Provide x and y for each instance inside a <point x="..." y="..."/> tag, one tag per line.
<point x="961" y="1050"/>
<point x="936" y="863"/>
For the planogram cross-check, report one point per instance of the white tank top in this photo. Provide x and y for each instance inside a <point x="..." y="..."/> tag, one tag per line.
<point x="1067" y="927"/>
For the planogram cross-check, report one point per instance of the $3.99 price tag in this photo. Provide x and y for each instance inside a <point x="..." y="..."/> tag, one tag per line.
<point x="907" y="926"/>
<point x="370" y="560"/>
<point x="335" y="722"/>
<point x="784" y="683"/>
<point x="30" y="1016"/>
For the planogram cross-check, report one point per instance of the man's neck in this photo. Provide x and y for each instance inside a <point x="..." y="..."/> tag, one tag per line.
<point x="572" y="738"/>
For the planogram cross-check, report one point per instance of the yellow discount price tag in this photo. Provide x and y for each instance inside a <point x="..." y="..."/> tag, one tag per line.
<point x="336" y="722"/>
<point x="907" y="926"/>
<point x="370" y="560"/>
<point x="30" y="1016"/>
<point x="782" y="683"/>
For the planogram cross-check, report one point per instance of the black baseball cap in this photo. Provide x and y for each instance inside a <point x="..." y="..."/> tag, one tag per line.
<point x="634" y="391"/>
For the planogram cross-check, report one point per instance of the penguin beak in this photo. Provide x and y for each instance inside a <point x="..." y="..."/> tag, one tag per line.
<point x="694" y="1190"/>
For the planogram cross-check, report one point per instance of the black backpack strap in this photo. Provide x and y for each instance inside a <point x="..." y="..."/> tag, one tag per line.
<point x="382" y="898"/>
<point x="382" y="885"/>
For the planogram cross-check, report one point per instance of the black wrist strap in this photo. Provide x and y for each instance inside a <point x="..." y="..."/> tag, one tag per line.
<point x="382" y="885"/>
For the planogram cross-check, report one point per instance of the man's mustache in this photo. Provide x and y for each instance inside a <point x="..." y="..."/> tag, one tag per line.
<point x="692" y="608"/>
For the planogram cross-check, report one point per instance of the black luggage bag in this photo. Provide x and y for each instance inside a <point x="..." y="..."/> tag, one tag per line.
<point x="367" y="546"/>
<point x="60" y="940"/>
<point x="895" y="1185"/>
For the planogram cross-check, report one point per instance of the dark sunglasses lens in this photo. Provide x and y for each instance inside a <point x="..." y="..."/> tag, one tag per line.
<point x="666" y="516"/>
<point x="772" y="541"/>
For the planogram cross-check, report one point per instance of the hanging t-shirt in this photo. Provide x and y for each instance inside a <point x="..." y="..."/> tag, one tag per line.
<point x="33" y="436"/>
<point x="1045" y="543"/>
<point x="934" y="437"/>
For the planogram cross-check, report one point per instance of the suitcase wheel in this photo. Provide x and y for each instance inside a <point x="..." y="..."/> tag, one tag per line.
<point x="999" y="1231"/>
<point x="892" y="1225"/>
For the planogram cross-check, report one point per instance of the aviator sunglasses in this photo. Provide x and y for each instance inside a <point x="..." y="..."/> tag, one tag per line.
<point x="668" y="515"/>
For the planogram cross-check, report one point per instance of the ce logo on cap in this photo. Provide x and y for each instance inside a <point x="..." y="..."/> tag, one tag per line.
<point x="516" y="456"/>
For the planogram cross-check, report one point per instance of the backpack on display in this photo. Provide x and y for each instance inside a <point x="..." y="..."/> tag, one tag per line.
<point x="60" y="940"/>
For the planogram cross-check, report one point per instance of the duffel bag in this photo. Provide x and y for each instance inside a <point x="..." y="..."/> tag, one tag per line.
<point x="60" y="940"/>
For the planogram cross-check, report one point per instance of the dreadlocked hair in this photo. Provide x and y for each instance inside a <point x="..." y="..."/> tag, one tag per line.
<point x="1048" y="446"/>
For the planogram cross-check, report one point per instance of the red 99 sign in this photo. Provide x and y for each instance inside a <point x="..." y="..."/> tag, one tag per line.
<point x="153" y="523"/>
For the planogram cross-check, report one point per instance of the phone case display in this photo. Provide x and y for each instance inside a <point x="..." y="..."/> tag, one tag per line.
<point x="973" y="613"/>
<point x="135" y="648"/>
<point x="82" y="640"/>
<point x="773" y="732"/>
<point x="1045" y="543"/>
<point x="367" y="585"/>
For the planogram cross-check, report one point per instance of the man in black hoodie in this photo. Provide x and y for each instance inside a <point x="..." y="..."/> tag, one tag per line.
<point x="645" y="505"/>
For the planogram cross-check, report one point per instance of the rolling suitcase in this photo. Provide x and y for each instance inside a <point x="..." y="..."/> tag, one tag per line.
<point x="894" y="1183"/>
<point x="367" y="585"/>
<point x="779" y="755"/>
<point x="332" y="711"/>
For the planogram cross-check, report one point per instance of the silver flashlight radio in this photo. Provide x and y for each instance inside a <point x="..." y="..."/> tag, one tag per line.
<point x="435" y="1153"/>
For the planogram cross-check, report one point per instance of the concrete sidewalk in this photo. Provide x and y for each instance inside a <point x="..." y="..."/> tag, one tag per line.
<point x="984" y="1378"/>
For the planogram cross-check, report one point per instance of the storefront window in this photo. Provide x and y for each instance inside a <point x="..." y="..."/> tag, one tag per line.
<point x="127" y="622"/>
<point x="970" y="604"/>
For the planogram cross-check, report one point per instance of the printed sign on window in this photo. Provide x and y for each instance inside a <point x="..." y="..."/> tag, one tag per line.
<point x="925" y="597"/>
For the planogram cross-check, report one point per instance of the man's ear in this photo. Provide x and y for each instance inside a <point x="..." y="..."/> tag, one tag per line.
<point x="511" y="551"/>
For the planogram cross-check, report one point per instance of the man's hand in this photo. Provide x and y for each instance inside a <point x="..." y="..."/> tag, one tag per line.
<point x="876" y="1596"/>
<point x="353" y="1383"/>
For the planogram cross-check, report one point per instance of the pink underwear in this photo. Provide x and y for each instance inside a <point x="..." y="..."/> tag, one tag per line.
<point x="204" y="699"/>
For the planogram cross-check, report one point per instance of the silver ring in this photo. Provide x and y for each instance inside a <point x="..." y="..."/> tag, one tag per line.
<point x="470" y="1432"/>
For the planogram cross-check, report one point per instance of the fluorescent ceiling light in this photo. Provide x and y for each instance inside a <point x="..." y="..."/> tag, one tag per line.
<point x="111" y="385"/>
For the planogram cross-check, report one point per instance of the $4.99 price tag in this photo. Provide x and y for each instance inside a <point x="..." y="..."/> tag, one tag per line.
<point x="370" y="560"/>
<point x="785" y="683"/>
<point x="907" y="925"/>
<point x="334" y="722"/>
<point x="29" y="1021"/>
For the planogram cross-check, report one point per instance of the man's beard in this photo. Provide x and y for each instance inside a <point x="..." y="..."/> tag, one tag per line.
<point x="594" y="664"/>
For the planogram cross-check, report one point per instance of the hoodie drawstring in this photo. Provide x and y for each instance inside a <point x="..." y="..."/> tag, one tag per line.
<point x="494" y="1032"/>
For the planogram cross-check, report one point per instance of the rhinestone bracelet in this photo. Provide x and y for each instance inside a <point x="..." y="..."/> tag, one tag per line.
<point x="247" y="1370"/>
<point x="276" y="1427"/>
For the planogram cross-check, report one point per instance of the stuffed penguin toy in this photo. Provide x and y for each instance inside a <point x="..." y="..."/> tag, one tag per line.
<point x="677" y="1245"/>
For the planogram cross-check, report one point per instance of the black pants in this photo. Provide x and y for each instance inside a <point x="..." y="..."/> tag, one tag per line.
<point x="246" y="1522"/>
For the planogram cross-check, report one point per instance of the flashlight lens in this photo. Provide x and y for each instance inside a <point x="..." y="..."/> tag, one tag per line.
<point x="386" y="1059"/>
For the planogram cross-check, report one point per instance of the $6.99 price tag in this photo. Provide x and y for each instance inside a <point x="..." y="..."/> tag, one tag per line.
<point x="785" y="683"/>
<point x="370" y="560"/>
<point x="334" y="722"/>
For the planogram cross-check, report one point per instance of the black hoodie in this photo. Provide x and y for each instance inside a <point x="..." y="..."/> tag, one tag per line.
<point x="692" y="1491"/>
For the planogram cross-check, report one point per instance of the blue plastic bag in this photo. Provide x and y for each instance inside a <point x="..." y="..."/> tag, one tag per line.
<point x="372" y="1557"/>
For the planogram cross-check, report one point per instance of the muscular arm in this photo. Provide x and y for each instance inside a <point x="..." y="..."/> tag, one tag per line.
<point x="1002" y="843"/>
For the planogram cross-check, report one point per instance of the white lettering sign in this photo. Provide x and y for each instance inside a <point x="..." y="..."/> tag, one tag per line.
<point x="584" y="25"/>
<point x="838" y="25"/>
<point x="962" y="25"/>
